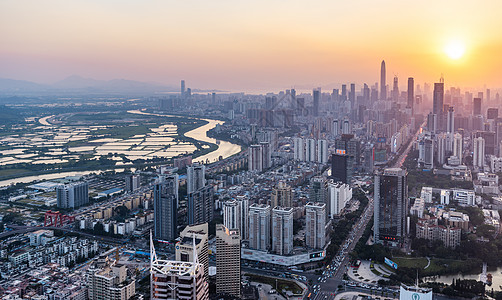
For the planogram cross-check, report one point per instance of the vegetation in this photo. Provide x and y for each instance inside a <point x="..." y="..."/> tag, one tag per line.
<point x="281" y="283"/>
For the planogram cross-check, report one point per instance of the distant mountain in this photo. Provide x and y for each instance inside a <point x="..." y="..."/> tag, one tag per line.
<point x="12" y="85"/>
<point x="78" y="84"/>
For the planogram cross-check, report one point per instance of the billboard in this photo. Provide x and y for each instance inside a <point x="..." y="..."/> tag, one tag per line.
<point x="390" y="263"/>
<point x="381" y="139"/>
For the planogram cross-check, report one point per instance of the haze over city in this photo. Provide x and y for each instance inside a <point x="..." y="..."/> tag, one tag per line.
<point x="251" y="46"/>
<point x="243" y="150"/>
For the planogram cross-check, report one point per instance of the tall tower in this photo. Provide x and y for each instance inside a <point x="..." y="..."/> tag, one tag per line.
<point x="383" y="83"/>
<point x="317" y="96"/>
<point x="315" y="234"/>
<point x="196" y="177"/>
<point x="437" y="102"/>
<point x="165" y="208"/>
<point x="395" y="90"/>
<point x="183" y="89"/>
<point x="391" y="206"/>
<point x="177" y="279"/>
<point x="259" y="226"/>
<point x="282" y="230"/>
<point x="228" y="261"/>
<point x="411" y="93"/>
<point x="450" y="120"/>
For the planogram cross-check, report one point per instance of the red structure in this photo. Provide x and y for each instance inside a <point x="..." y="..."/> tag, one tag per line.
<point x="56" y="219"/>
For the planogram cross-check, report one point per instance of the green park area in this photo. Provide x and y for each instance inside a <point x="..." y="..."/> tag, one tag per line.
<point x="280" y="284"/>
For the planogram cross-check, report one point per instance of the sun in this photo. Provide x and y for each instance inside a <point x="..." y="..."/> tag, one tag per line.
<point x="455" y="49"/>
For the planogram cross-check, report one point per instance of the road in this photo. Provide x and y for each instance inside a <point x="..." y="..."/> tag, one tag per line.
<point x="24" y="229"/>
<point x="402" y="157"/>
<point x="327" y="289"/>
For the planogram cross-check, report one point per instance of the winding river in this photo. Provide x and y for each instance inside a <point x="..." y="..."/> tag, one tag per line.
<point x="225" y="149"/>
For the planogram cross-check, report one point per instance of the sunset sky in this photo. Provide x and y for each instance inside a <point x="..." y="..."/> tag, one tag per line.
<point x="251" y="45"/>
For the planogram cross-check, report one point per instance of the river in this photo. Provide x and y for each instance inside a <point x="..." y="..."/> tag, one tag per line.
<point x="224" y="150"/>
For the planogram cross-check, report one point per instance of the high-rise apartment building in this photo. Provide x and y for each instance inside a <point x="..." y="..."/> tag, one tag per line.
<point x="315" y="225"/>
<point x="110" y="282"/>
<point x="458" y="146"/>
<point x="282" y="230"/>
<point x="196" y="177"/>
<point x="72" y="195"/>
<point x="266" y="152"/>
<point x="322" y="151"/>
<point x="165" y="208"/>
<point x="228" y="261"/>
<point x="259" y="226"/>
<point x="299" y="149"/>
<point x="478" y="158"/>
<point x="391" y="206"/>
<point x="235" y="215"/>
<point x="255" y="158"/>
<point x="310" y="150"/>
<point x="338" y="195"/>
<point x="132" y="182"/>
<point x="201" y="205"/>
<point x="185" y="247"/>
<point x="281" y="195"/>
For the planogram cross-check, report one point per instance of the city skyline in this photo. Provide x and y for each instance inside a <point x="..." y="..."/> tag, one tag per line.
<point x="250" y="47"/>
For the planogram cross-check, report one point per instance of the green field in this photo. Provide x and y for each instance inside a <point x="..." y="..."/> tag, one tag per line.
<point x="12" y="172"/>
<point x="437" y="265"/>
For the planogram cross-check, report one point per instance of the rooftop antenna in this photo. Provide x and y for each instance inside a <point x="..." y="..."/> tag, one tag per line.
<point x="441" y="80"/>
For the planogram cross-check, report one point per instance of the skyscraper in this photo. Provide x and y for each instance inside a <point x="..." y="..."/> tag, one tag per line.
<point x="132" y="182"/>
<point x="450" y="120"/>
<point x="322" y="151"/>
<point x="315" y="224"/>
<point x="235" y="215"/>
<point x="458" y="146"/>
<point x="341" y="167"/>
<point x="383" y="83"/>
<point x="196" y="177"/>
<point x="395" y="90"/>
<point x="281" y="195"/>
<point x="352" y="94"/>
<point x="282" y="230"/>
<point x="476" y="106"/>
<point x="259" y="227"/>
<point x="228" y="261"/>
<point x="185" y="247"/>
<point x="165" y="209"/>
<point x="201" y="205"/>
<point x="338" y="195"/>
<point x="437" y="103"/>
<point x="411" y="93"/>
<point x="177" y="279"/>
<point x="299" y="149"/>
<point x="266" y="153"/>
<point x="182" y="89"/>
<point x="391" y="206"/>
<point x="72" y="195"/>
<point x="255" y="157"/>
<point x="310" y="150"/>
<point x="317" y="96"/>
<point x="478" y="158"/>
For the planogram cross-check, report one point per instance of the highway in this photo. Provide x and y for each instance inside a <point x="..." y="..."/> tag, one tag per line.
<point x="326" y="289"/>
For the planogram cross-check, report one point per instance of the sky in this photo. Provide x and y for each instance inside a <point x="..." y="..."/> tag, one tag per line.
<point x="251" y="45"/>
